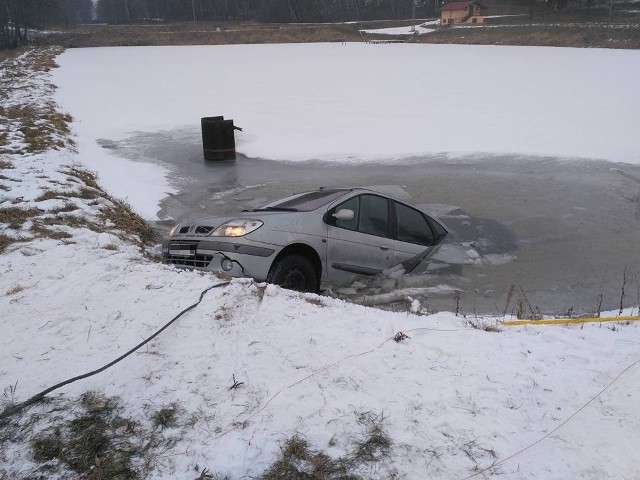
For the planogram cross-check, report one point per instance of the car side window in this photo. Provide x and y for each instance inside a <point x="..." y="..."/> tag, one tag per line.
<point x="412" y="226"/>
<point x="351" y="204"/>
<point x="374" y="215"/>
<point x="371" y="215"/>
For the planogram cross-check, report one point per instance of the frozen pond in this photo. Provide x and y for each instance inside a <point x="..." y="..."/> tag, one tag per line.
<point x="560" y="228"/>
<point x="561" y="231"/>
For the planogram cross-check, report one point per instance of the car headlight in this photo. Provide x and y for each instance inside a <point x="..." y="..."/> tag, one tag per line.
<point x="236" y="228"/>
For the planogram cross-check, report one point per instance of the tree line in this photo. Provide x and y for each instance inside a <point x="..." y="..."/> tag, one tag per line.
<point x="17" y="16"/>
<point x="285" y="11"/>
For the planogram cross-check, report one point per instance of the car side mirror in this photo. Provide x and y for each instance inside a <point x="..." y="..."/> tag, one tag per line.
<point x="344" y="214"/>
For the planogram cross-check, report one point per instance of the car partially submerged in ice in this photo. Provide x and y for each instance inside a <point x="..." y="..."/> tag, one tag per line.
<point x="310" y="240"/>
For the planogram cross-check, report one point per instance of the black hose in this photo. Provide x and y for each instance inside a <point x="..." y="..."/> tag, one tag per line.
<point x="13" y="409"/>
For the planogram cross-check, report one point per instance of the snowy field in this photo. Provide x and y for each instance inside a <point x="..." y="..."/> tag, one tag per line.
<point x="354" y="102"/>
<point x="456" y="402"/>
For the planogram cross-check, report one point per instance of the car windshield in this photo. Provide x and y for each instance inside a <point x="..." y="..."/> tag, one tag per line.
<point x="304" y="202"/>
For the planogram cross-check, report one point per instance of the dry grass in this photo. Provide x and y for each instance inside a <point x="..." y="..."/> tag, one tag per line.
<point x="11" y="54"/>
<point x="15" y="289"/>
<point x="317" y="301"/>
<point x="51" y="195"/>
<point x="117" y="215"/>
<point x="16" y="216"/>
<point x="166" y="417"/>
<point x="90" y="179"/>
<point x="480" y="324"/>
<point x="51" y="131"/>
<point x="44" y="60"/>
<point x="90" y="438"/>
<point x="126" y="220"/>
<point x="595" y="36"/>
<point x="5" y="242"/>
<point x="85" y="193"/>
<point x="298" y="461"/>
<point x="43" y="129"/>
<point x="201" y="33"/>
<point x="71" y="221"/>
<point x="66" y="208"/>
<point x="41" y="231"/>
<point x="547" y="31"/>
<point x="41" y="125"/>
<point x="95" y="445"/>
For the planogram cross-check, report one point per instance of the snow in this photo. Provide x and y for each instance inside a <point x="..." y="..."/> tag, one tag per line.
<point x="417" y="29"/>
<point x="447" y="396"/>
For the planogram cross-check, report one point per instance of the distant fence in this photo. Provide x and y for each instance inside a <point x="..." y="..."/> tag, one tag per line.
<point x="386" y="41"/>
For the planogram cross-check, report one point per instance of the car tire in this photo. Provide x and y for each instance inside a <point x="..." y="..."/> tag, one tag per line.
<point x="294" y="272"/>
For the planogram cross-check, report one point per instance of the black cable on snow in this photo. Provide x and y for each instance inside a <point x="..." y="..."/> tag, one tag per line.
<point x="13" y="409"/>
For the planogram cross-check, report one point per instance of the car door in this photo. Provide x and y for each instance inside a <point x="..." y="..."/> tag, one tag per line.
<point x="416" y="236"/>
<point x="359" y="246"/>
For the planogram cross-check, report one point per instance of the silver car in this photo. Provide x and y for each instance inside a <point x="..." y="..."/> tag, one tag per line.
<point x="310" y="240"/>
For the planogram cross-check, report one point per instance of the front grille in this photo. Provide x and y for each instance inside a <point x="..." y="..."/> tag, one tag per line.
<point x="203" y="230"/>
<point x="198" y="261"/>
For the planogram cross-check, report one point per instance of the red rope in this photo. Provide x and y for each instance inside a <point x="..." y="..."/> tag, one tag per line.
<point x="323" y="369"/>
<point x="558" y="427"/>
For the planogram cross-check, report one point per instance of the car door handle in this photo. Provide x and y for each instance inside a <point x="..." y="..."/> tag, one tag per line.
<point x="384" y="248"/>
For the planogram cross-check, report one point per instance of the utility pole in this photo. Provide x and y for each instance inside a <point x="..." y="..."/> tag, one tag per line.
<point x="413" y="17"/>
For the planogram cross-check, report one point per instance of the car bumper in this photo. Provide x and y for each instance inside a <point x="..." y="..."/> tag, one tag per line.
<point x="229" y="258"/>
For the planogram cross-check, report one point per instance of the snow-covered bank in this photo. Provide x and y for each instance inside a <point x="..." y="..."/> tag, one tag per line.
<point x="421" y="28"/>
<point x="452" y="399"/>
<point x="356" y="101"/>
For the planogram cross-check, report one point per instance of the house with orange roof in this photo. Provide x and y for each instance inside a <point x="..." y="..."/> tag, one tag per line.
<point x="454" y="13"/>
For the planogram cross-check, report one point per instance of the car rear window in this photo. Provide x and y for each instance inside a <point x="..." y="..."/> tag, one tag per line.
<point x="306" y="202"/>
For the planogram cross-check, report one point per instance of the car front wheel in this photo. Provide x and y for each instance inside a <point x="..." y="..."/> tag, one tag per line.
<point x="294" y="272"/>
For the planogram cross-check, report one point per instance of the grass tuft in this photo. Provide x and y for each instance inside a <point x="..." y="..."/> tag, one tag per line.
<point x="50" y="195"/>
<point x="374" y="447"/>
<point x="125" y="219"/>
<point x="72" y="221"/>
<point x="90" y="179"/>
<point x="41" y="231"/>
<point x="15" y="289"/>
<point x="95" y="445"/>
<point x="166" y="417"/>
<point x="5" y="242"/>
<point x="6" y="165"/>
<point x="479" y="324"/>
<point x="84" y="193"/>
<point x="298" y="461"/>
<point x="66" y="208"/>
<point x="16" y="216"/>
<point x="317" y="301"/>
<point x="43" y="128"/>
